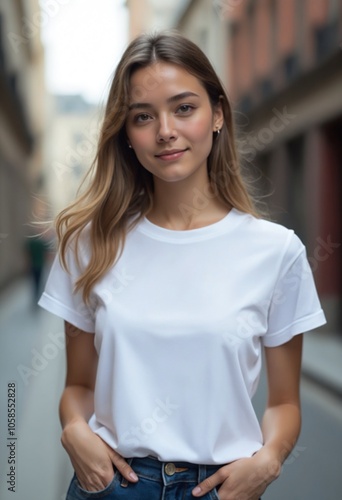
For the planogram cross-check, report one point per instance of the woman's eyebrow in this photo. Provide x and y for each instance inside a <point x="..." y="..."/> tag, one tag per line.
<point x="177" y="97"/>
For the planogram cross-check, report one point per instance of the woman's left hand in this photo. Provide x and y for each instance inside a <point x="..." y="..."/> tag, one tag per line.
<point x="244" y="479"/>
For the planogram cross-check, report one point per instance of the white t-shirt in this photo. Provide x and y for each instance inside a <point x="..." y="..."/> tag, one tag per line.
<point x="179" y="326"/>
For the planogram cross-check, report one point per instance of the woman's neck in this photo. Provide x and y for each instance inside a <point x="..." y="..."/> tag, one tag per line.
<point x="185" y="205"/>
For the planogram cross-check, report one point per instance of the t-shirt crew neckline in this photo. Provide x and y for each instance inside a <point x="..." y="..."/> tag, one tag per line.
<point x="190" y="235"/>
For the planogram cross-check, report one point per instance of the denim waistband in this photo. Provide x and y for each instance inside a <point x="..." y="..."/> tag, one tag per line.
<point x="167" y="472"/>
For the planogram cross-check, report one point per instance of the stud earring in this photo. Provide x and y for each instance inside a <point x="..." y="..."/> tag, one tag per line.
<point x="218" y="131"/>
<point x="130" y="145"/>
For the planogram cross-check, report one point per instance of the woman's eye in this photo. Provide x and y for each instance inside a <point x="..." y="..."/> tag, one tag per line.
<point x="144" y="117"/>
<point x="185" y="108"/>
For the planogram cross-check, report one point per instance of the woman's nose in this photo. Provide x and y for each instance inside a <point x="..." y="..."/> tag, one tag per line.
<point x="167" y="130"/>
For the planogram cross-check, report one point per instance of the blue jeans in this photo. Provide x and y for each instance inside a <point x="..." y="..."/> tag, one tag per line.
<point x="157" y="481"/>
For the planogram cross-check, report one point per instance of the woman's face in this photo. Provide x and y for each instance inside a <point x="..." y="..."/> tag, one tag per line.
<point x="171" y="122"/>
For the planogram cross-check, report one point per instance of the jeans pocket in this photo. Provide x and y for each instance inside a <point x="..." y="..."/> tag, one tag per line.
<point x="214" y="494"/>
<point x="76" y="492"/>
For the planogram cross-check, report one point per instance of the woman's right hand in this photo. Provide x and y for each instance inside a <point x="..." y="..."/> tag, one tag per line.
<point x="92" y="458"/>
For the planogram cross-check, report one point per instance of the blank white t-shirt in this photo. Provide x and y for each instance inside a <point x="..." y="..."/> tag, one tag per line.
<point x="179" y="323"/>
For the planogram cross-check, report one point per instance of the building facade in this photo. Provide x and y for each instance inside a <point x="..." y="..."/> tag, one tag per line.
<point x="152" y="15"/>
<point x="21" y="129"/>
<point x="72" y="128"/>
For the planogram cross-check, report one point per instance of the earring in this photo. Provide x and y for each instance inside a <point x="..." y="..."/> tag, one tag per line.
<point x="218" y="131"/>
<point x="130" y="145"/>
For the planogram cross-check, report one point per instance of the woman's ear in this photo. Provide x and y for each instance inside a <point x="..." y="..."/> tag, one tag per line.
<point x="128" y="142"/>
<point x="218" y="116"/>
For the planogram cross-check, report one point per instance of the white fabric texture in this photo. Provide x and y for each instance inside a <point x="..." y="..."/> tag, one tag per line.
<point x="180" y="322"/>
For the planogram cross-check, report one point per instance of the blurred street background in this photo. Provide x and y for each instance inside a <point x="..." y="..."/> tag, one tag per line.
<point x="281" y="63"/>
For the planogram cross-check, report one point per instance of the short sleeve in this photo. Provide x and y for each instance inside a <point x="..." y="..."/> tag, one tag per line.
<point x="295" y="307"/>
<point x="60" y="298"/>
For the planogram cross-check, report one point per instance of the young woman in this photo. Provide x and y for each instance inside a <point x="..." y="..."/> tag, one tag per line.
<point x="171" y="286"/>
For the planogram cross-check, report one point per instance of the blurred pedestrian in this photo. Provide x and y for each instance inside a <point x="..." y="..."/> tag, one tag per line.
<point x="37" y="248"/>
<point x="171" y="286"/>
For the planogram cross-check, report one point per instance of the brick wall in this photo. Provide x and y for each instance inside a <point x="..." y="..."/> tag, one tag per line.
<point x="274" y="40"/>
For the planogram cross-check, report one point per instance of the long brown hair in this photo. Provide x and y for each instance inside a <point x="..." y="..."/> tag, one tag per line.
<point x="120" y="191"/>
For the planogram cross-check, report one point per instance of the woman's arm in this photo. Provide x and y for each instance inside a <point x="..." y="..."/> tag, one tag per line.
<point x="249" y="477"/>
<point x="77" y="401"/>
<point x="91" y="457"/>
<point x="282" y="419"/>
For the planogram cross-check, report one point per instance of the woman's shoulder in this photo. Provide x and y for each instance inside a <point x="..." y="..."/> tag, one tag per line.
<point x="272" y="235"/>
<point x="77" y="249"/>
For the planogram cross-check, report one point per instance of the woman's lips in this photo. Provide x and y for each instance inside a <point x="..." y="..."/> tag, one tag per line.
<point x="171" y="155"/>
